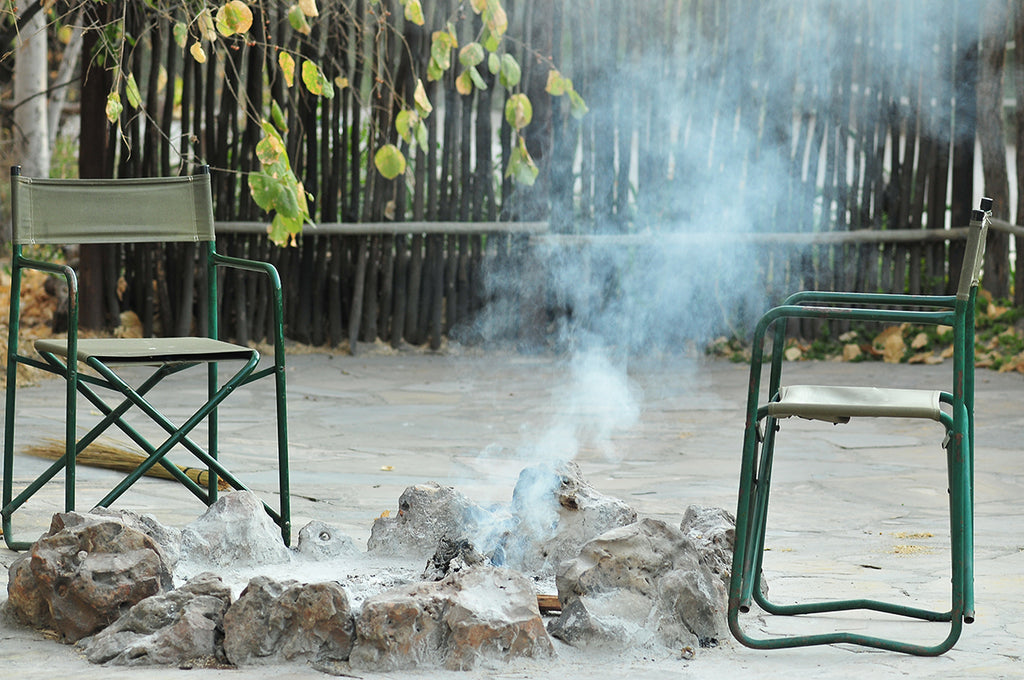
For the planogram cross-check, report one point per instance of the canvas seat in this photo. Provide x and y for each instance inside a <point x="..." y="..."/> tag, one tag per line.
<point x="58" y="212"/>
<point x="951" y="405"/>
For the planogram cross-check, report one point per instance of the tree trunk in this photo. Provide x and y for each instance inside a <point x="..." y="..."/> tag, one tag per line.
<point x="993" y="142"/>
<point x="32" y="140"/>
<point x="95" y="160"/>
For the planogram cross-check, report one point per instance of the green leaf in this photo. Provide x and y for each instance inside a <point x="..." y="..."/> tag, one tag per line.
<point x="518" y="111"/>
<point x="180" y="34"/>
<point x="404" y="122"/>
<point x="420" y="131"/>
<point x="434" y="72"/>
<point x="414" y="12"/>
<point x="493" y="63"/>
<point x="276" y="188"/>
<point x="441" y="45"/>
<point x="478" y="80"/>
<point x="471" y="55"/>
<point x="277" y="115"/>
<point x="297" y="18"/>
<point x="114" y="107"/>
<point x="557" y="83"/>
<point x="315" y="80"/>
<point x="390" y="161"/>
<point x="283" y="230"/>
<point x="521" y="167"/>
<point x="131" y="91"/>
<point x="270" y="150"/>
<point x="510" y="73"/>
<point x="577" y="107"/>
<point x="491" y="41"/>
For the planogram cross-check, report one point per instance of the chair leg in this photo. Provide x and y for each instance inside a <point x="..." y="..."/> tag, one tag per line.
<point x="751" y="523"/>
<point x="284" y="479"/>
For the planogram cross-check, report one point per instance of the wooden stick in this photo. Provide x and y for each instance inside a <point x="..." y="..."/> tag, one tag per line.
<point x="548" y="604"/>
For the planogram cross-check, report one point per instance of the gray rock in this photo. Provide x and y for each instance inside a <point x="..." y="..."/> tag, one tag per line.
<point x="426" y="514"/>
<point x="234" y="532"/>
<point x="713" y="533"/>
<point x="84" y="573"/>
<point x="274" y="622"/>
<point x="480" y="614"/>
<point x="555" y="512"/>
<point x="636" y="579"/>
<point x="178" y="628"/>
<point x="320" y="541"/>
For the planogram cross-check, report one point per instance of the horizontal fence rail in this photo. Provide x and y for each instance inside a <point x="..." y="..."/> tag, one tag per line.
<point x="418" y="283"/>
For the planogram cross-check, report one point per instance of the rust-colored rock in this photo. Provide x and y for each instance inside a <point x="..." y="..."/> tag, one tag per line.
<point x="273" y="622"/>
<point x="480" y="613"/>
<point x="84" y="573"/>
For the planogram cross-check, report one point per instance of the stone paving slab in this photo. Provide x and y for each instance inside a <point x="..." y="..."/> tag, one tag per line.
<point x="857" y="506"/>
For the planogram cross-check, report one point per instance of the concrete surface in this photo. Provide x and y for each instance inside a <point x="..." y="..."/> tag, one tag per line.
<point x="858" y="508"/>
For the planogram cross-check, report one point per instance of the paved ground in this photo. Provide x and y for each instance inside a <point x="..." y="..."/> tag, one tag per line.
<point x="860" y="508"/>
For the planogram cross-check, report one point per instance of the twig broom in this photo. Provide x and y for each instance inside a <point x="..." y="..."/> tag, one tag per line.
<point x="110" y="455"/>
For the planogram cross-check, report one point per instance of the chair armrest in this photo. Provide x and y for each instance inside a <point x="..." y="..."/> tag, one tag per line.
<point x="70" y="277"/>
<point x="935" y="317"/>
<point x="888" y="299"/>
<point x="270" y="271"/>
<point x="249" y="265"/>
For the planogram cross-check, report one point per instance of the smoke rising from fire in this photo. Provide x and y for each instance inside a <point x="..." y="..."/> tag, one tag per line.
<point x="670" y="273"/>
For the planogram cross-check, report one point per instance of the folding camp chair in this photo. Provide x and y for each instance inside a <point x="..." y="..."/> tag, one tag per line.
<point x="953" y="408"/>
<point x="157" y="210"/>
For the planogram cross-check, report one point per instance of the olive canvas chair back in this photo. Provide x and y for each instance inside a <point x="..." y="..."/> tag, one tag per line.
<point x="57" y="212"/>
<point x="950" y="404"/>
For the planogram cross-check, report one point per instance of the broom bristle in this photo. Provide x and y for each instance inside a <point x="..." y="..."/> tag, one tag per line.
<point x="112" y="456"/>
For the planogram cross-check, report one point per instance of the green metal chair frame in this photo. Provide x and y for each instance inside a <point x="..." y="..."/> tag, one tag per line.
<point x="153" y="210"/>
<point x="838" y="405"/>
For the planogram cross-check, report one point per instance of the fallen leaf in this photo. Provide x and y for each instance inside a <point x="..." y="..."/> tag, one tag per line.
<point x="894" y="349"/>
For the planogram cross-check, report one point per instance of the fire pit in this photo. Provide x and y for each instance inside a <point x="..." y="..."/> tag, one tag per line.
<point x="445" y="582"/>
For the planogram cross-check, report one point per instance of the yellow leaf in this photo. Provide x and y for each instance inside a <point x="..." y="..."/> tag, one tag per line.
<point x="198" y="53"/>
<point x="207" y="28"/>
<point x="287" y="64"/>
<point x="422" y="101"/>
<point x="414" y="12"/>
<point x="464" y="83"/>
<point x="308" y="8"/>
<point x="341" y="82"/>
<point x="234" y="17"/>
